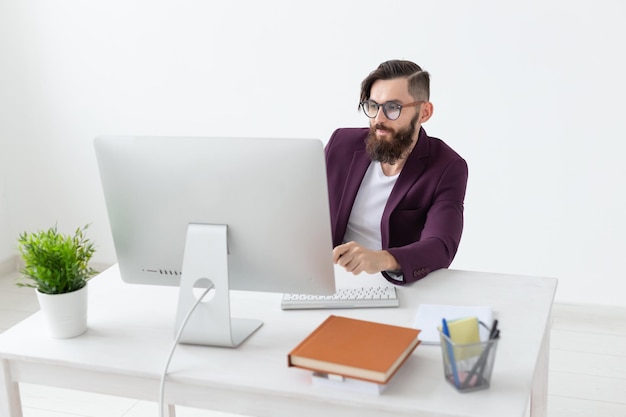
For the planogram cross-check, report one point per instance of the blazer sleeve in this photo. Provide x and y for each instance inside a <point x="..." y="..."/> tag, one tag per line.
<point x="442" y="230"/>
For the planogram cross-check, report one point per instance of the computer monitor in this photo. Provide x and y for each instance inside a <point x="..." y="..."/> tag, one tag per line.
<point x="232" y="213"/>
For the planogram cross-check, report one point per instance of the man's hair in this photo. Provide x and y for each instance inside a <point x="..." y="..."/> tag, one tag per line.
<point x="419" y="81"/>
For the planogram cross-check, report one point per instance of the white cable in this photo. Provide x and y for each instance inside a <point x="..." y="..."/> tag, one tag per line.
<point x="169" y="359"/>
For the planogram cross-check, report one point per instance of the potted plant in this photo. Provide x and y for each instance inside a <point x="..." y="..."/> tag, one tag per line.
<point x="57" y="266"/>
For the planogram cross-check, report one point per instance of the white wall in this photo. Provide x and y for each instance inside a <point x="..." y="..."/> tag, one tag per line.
<point x="6" y="136"/>
<point x="530" y="93"/>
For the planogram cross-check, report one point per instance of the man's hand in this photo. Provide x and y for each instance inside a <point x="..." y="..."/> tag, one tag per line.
<point x="356" y="259"/>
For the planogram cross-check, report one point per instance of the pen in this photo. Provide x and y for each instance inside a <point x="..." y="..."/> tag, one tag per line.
<point x="485" y="356"/>
<point x="479" y="367"/>
<point x="494" y="329"/>
<point x="446" y="332"/>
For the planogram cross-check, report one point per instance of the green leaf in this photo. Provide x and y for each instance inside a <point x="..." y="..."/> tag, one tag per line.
<point x="55" y="263"/>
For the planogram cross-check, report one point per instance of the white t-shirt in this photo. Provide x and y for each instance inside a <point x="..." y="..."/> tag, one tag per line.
<point x="367" y="211"/>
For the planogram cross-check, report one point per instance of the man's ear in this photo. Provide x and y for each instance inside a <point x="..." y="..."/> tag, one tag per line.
<point x="426" y="111"/>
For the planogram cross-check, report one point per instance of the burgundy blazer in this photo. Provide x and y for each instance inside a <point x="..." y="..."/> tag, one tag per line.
<point x="422" y="222"/>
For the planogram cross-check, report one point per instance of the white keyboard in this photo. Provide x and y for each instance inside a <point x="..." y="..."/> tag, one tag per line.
<point x="365" y="297"/>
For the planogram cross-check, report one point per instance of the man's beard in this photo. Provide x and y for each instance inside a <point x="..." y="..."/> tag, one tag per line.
<point x="390" y="150"/>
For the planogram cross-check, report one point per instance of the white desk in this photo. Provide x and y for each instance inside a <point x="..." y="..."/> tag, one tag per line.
<point x="131" y="329"/>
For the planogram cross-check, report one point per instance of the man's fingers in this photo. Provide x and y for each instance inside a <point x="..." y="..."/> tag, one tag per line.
<point x="338" y="252"/>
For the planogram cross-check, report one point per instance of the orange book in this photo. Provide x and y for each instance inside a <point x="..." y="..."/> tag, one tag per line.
<point x="355" y="349"/>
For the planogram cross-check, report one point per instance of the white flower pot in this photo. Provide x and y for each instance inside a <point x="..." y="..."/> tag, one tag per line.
<point x="65" y="314"/>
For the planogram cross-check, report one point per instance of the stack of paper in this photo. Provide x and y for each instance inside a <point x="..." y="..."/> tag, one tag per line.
<point x="428" y="319"/>
<point x="336" y="382"/>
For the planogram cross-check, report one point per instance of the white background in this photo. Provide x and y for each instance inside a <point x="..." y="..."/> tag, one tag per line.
<point x="532" y="94"/>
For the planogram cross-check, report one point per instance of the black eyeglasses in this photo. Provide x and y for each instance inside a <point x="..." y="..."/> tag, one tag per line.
<point x="391" y="109"/>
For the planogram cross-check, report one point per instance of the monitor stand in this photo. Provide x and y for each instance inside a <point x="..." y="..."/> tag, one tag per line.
<point x="205" y="264"/>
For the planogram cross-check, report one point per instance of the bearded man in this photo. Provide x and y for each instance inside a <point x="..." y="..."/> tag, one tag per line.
<point x="396" y="194"/>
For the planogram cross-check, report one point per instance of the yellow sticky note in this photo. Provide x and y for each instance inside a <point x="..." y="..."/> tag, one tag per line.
<point x="464" y="331"/>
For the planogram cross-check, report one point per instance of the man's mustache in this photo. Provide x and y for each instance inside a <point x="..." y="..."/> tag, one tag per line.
<point x="379" y="126"/>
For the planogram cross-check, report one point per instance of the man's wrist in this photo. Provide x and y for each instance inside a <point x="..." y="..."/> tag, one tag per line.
<point x="392" y="264"/>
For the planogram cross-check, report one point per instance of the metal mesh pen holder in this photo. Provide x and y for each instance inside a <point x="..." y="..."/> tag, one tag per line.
<point x="468" y="367"/>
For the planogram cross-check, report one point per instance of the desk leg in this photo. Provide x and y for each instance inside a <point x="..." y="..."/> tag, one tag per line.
<point x="170" y="411"/>
<point x="539" y="390"/>
<point x="10" y="404"/>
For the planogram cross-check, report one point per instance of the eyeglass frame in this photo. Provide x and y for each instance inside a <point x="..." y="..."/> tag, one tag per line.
<point x="382" y="106"/>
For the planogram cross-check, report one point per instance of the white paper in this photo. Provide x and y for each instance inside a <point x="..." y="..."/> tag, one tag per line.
<point x="428" y="319"/>
<point x="349" y="384"/>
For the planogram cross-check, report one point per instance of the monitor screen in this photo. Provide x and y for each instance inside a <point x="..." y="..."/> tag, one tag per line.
<point x="263" y="202"/>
